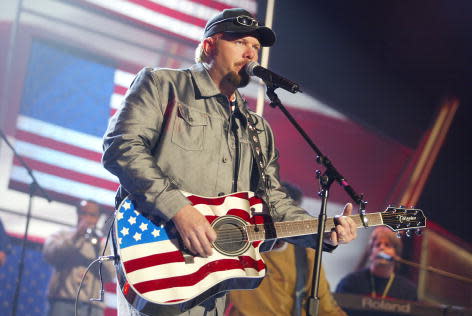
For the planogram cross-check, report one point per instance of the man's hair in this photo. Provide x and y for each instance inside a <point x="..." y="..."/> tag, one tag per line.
<point x="82" y="203"/>
<point x="200" y="54"/>
<point x="293" y="191"/>
<point x="392" y="238"/>
<point x="390" y="235"/>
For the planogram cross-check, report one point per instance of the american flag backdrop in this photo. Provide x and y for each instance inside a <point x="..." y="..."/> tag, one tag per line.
<point x="63" y="115"/>
<point x="69" y="97"/>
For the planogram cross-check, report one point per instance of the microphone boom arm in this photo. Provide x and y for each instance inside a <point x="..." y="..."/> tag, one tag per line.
<point x="388" y="257"/>
<point x="434" y="270"/>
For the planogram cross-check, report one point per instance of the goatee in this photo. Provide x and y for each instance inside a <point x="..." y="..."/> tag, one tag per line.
<point x="238" y="79"/>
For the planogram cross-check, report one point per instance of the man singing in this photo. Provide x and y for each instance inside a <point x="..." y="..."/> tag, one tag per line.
<point x="189" y="130"/>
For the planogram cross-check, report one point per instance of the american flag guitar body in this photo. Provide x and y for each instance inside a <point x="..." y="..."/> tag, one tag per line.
<point x="154" y="268"/>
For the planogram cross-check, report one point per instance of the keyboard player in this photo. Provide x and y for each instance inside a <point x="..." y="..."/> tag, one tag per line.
<point x="378" y="278"/>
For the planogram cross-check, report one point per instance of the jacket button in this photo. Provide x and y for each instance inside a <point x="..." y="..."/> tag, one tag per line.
<point x="221" y="100"/>
<point x="225" y="159"/>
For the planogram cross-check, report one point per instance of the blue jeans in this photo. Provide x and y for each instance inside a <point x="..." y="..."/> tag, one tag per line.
<point x="125" y="309"/>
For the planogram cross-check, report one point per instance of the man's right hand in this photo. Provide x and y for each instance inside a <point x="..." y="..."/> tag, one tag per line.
<point x="82" y="226"/>
<point x="195" y="230"/>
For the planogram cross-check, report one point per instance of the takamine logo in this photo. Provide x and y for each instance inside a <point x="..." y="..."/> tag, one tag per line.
<point x="402" y="219"/>
<point x="387" y="306"/>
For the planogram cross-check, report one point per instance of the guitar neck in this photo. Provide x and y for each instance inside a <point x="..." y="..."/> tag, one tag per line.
<point x="303" y="227"/>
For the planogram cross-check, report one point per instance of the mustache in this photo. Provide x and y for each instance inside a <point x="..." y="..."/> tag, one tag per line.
<point x="241" y="64"/>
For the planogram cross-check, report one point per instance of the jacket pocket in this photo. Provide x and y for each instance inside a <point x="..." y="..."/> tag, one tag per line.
<point x="189" y="128"/>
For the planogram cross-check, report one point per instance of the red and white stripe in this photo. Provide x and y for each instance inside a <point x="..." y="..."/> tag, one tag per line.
<point x="122" y="80"/>
<point x="159" y="273"/>
<point x="181" y="18"/>
<point x="67" y="162"/>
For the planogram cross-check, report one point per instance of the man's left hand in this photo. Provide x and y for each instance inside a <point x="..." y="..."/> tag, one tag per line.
<point x="345" y="230"/>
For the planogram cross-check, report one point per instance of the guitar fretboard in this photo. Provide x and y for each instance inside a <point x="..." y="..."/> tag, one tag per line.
<point x="303" y="227"/>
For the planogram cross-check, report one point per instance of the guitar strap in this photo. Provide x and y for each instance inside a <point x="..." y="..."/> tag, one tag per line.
<point x="262" y="183"/>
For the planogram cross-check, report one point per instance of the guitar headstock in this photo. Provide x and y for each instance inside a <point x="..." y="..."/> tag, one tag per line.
<point x="400" y="218"/>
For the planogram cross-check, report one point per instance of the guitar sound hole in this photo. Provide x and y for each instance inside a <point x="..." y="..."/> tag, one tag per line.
<point x="231" y="237"/>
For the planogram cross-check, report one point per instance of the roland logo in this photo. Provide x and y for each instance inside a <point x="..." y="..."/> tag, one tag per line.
<point x="388" y="306"/>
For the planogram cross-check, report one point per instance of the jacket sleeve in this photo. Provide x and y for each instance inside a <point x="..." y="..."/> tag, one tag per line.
<point x="283" y="207"/>
<point x="132" y="135"/>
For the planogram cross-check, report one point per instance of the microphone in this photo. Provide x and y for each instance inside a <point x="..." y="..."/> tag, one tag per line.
<point x="383" y="255"/>
<point x="254" y="69"/>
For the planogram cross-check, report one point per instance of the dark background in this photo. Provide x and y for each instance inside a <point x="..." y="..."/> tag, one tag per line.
<point x="389" y="65"/>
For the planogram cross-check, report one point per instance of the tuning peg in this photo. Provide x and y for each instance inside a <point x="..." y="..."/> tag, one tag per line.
<point x="409" y="233"/>
<point x="399" y="235"/>
<point x="418" y="232"/>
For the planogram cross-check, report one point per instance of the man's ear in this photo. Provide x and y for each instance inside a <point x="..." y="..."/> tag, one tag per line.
<point x="209" y="46"/>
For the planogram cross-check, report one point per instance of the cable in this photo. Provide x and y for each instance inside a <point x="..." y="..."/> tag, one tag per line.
<point x="81" y="283"/>
<point x="100" y="260"/>
<point x="103" y="258"/>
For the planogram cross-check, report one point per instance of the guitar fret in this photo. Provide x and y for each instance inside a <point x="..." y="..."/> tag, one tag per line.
<point x="303" y="227"/>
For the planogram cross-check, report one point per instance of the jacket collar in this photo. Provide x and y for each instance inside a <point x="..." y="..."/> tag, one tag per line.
<point x="207" y="87"/>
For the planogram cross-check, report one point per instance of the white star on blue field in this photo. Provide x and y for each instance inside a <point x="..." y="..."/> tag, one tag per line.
<point x="134" y="228"/>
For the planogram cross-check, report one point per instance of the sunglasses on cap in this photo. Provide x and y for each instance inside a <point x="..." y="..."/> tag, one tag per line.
<point x="241" y="20"/>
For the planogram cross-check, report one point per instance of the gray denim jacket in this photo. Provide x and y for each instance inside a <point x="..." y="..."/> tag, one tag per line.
<point x="174" y="133"/>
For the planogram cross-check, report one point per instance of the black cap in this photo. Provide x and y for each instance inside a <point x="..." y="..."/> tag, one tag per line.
<point x="239" y="21"/>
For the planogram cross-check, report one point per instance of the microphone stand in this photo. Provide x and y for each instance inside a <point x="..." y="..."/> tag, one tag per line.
<point x="33" y="186"/>
<point x="326" y="179"/>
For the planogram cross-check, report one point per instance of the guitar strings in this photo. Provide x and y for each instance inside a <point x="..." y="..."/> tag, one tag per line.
<point x="237" y="232"/>
<point x="232" y="235"/>
<point x="270" y="227"/>
<point x="273" y="226"/>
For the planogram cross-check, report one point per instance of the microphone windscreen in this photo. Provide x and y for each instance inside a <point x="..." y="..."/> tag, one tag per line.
<point x="250" y="67"/>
